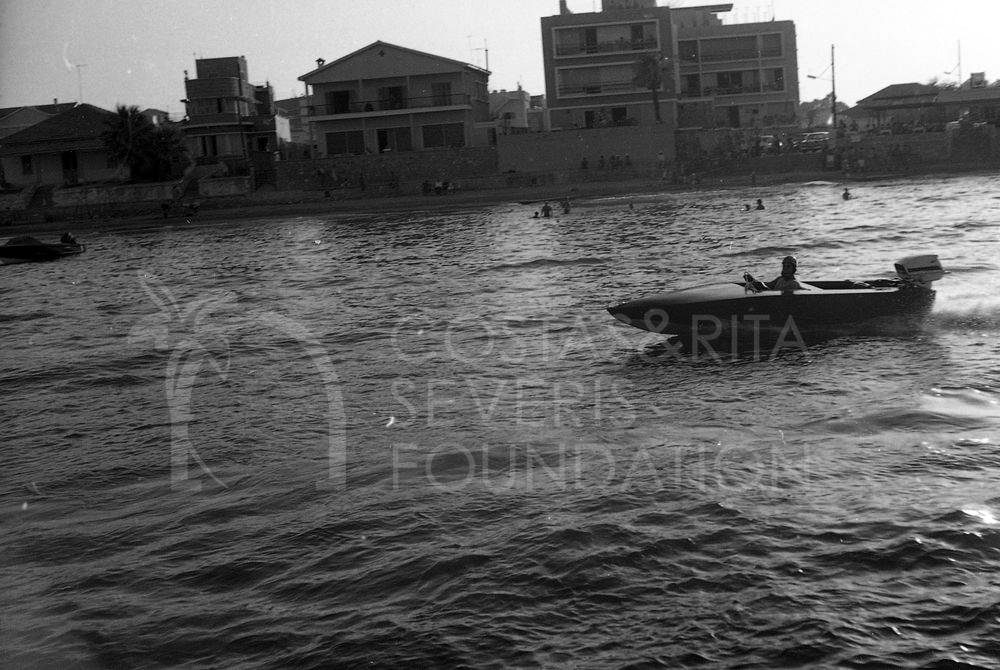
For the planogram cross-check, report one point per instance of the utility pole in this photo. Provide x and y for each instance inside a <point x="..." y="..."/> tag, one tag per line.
<point x="833" y="91"/>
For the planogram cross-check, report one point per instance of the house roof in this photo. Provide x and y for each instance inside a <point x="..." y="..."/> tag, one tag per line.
<point x="901" y="95"/>
<point x="77" y="128"/>
<point x="978" y="94"/>
<point x="387" y="45"/>
<point x="52" y="109"/>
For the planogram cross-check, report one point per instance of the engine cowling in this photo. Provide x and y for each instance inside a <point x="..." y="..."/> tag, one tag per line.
<point x="921" y="270"/>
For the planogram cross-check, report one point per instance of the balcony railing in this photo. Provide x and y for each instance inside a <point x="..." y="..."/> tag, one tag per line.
<point x="616" y="46"/>
<point x="731" y="90"/>
<point x="607" y="88"/>
<point x="390" y="104"/>
<point x="735" y="54"/>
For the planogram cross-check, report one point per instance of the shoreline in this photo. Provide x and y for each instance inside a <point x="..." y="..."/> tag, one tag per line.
<point x="312" y="203"/>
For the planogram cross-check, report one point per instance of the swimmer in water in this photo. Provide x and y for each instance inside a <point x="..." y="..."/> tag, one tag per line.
<point x="760" y="204"/>
<point x="846" y="195"/>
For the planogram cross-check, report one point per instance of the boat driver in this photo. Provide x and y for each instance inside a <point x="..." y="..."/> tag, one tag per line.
<point x="786" y="281"/>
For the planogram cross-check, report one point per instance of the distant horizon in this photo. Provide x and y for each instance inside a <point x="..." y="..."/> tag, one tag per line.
<point x="96" y="53"/>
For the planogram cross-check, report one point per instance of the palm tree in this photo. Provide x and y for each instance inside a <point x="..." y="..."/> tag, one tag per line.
<point x="148" y="151"/>
<point x="127" y="138"/>
<point x="648" y="73"/>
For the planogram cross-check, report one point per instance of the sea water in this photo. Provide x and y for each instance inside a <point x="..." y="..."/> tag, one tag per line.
<point x="418" y="439"/>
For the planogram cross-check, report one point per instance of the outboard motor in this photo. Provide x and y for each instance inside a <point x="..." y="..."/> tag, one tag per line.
<point x="919" y="270"/>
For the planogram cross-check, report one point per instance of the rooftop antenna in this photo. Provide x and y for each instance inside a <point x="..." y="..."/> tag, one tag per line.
<point x="959" y="66"/>
<point x="485" y="49"/>
<point x="79" y="79"/>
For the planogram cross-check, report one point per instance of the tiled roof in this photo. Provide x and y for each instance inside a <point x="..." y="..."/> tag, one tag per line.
<point x="77" y="128"/>
<point x="52" y="109"/>
<point x="901" y="95"/>
<point x="970" y="94"/>
<point x="387" y="45"/>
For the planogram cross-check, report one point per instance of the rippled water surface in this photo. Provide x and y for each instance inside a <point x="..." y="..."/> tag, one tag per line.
<point x="417" y="439"/>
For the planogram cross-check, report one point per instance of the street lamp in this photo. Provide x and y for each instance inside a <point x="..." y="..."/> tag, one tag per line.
<point x="833" y="91"/>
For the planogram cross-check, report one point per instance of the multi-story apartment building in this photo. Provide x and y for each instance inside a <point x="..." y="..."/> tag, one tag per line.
<point x="227" y="116"/>
<point x="713" y="75"/>
<point x="219" y="103"/>
<point x="591" y="64"/>
<point x="385" y="97"/>
<point x="741" y="75"/>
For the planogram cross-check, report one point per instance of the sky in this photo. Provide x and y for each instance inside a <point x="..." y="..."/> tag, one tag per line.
<point x="107" y="52"/>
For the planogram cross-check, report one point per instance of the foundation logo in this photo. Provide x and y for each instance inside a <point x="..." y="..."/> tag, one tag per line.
<point x="197" y="334"/>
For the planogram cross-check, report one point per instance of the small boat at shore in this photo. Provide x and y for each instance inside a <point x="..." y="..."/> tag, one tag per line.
<point x="27" y="249"/>
<point x="749" y="306"/>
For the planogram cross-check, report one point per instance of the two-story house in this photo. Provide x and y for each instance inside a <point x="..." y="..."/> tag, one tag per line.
<point x="385" y="98"/>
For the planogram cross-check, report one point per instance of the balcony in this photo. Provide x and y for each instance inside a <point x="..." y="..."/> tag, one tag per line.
<point x="691" y="57"/>
<point x="613" y="47"/>
<point x="390" y="105"/>
<point x="606" y="88"/>
<point x="731" y="90"/>
<point x="770" y="87"/>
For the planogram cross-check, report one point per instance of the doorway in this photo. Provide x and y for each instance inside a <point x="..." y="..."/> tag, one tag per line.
<point x="70" y="167"/>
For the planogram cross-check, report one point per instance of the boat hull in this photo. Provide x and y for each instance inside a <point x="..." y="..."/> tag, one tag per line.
<point x="717" y="308"/>
<point x="11" y="254"/>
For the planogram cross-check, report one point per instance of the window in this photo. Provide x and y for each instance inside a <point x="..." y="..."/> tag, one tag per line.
<point x="480" y="91"/>
<point x="392" y="97"/>
<point x="771" y="45"/>
<point x="601" y="79"/>
<point x="337" y="102"/>
<point x="688" y="51"/>
<point x="444" y="135"/>
<point x="209" y="145"/>
<point x="774" y="79"/>
<point x="691" y="85"/>
<point x="394" y="139"/>
<point x="218" y="105"/>
<point x="729" y="48"/>
<point x="27" y="167"/>
<point x="350" y="142"/>
<point x="441" y="94"/>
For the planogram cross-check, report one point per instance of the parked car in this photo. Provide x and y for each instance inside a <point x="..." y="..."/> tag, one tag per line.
<point x="814" y="141"/>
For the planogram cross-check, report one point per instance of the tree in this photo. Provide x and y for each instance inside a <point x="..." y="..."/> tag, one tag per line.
<point x="648" y="73"/>
<point x="149" y="151"/>
<point x="817" y="112"/>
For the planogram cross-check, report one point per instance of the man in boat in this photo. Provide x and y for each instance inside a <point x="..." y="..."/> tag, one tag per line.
<point x="786" y="281"/>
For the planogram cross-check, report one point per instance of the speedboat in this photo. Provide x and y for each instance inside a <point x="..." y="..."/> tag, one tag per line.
<point x="26" y="249"/>
<point x="750" y="306"/>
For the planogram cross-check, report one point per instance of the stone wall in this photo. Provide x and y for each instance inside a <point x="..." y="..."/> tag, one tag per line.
<point x="565" y="150"/>
<point x="388" y="168"/>
<point x="77" y="196"/>
<point x="224" y="186"/>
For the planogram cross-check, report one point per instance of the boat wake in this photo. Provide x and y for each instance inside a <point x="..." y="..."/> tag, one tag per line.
<point x="978" y="316"/>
